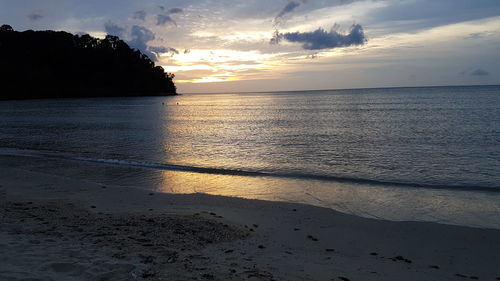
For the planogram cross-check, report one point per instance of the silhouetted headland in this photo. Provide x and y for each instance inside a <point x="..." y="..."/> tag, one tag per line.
<point x="50" y="64"/>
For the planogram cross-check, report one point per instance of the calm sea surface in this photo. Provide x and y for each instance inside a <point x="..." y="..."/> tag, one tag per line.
<point x="401" y="153"/>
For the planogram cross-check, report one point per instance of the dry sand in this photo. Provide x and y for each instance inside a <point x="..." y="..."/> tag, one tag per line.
<point x="59" y="228"/>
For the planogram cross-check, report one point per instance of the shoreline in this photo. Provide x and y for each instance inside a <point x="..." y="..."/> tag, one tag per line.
<point x="263" y="240"/>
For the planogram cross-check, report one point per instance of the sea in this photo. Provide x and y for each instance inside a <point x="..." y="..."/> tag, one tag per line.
<point x="405" y="154"/>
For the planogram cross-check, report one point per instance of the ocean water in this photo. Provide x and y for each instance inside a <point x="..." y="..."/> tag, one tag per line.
<point x="430" y="154"/>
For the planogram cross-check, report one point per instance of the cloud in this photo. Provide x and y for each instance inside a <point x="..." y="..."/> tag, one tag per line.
<point x="140" y="36"/>
<point x="137" y="37"/>
<point x="479" y="72"/>
<point x="175" y="11"/>
<point x="139" y="15"/>
<point x="164" y="19"/>
<point x="35" y="16"/>
<point x="170" y="50"/>
<point x="290" y="7"/>
<point x="322" y="39"/>
<point x="114" y="29"/>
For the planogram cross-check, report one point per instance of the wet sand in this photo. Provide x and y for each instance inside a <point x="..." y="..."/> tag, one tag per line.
<point x="60" y="228"/>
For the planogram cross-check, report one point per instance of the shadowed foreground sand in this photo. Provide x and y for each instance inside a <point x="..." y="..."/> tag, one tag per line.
<point x="58" y="228"/>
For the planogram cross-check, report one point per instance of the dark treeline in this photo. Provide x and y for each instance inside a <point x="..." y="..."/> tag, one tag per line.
<point x="50" y="64"/>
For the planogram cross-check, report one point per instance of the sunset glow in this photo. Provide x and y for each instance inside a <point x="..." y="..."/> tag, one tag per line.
<point x="262" y="45"/>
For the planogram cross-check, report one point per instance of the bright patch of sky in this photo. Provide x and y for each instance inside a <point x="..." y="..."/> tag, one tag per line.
<point x="260" y="45"/>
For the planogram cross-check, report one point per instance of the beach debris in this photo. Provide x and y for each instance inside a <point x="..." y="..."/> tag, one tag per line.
<point x="208" y="276"/>
<point x="400" y="258"/>
<point x="312" y="238"/>
<point x="259" y="274"/>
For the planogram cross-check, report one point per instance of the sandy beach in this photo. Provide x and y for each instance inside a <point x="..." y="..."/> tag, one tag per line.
<point x="54" y="227"/>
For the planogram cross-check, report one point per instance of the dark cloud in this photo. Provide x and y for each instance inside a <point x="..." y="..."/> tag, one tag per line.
<point x="175" y="11"/>
<point x="35" y="16"/>
<point x="322" y="39"/>
<point x="479" y="72"/>
<point x="170" y="50"/>
<point x="164" y="19"/>
<point x="292" y="5"/>
<point x="140" y="15"/>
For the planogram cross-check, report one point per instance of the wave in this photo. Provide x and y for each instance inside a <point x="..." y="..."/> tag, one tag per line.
<point x="235" y="172"/>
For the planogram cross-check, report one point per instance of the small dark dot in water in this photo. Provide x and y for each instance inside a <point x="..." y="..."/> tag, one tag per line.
<point x="151" y="193"/>
<point x="228" y="251"/>
<point x="460" y="275"/>
<point x="295" y="210"/>
<point x="150" y="209"/>
<point x="251" y="229"/>
<point x="344" y="278"/>
<point x="103" y="186"/>
<point x="93" y="207"/>
<point x="261" y="247"/>
<point x="434" y="266"/>
<point x="330" y="250"/>
<point x="255" y="225"/>
<point x="474" y="277"/>
<point x="296" y="229"/>
<point x="373" y="254"/>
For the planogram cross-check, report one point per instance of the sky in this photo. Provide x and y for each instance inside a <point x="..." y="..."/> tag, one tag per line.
<point x="273" y="45"/>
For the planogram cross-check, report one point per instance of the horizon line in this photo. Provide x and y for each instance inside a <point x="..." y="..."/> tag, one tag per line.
<point x="338" y="89"/>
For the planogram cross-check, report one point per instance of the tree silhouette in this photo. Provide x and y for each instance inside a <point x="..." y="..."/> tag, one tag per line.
<point x="48" y="64"/>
